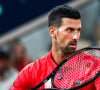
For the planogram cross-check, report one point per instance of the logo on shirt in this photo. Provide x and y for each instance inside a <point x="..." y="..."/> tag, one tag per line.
<point x="48" y="84"/>
<point x="77" y="82"/>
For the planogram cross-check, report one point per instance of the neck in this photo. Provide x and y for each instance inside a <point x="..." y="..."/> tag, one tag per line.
<point x="58" y="55"/>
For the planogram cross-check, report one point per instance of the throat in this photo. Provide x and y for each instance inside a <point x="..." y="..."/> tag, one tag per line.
<point x="58" y="57"/>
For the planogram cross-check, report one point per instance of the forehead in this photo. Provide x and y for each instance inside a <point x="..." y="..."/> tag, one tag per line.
<point x="71" y="22"/>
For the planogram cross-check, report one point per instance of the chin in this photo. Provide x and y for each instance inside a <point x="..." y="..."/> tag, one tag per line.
<point x="69" y="50"/>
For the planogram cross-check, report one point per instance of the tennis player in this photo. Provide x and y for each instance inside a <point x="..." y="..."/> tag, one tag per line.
<point x="64" y="25"/>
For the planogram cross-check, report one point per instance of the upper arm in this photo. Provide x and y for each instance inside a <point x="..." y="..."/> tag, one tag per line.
<point x="22" y="82"/>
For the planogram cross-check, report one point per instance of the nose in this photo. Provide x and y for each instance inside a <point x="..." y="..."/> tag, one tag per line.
<point x="76" y="36"/>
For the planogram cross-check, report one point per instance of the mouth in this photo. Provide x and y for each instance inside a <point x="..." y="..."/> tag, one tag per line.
<point x="73" y="45"/>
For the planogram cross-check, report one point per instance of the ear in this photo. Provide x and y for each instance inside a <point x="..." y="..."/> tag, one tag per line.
<point x="52" y="31"/>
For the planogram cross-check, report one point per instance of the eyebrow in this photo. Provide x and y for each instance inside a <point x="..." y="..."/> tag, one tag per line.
<point x="73" y="28"/>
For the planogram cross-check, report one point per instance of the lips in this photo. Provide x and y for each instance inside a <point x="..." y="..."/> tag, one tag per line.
<point x="73" y="45"/>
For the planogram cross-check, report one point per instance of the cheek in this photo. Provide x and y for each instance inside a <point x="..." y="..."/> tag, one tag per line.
<point x="66" y="37"/>
<point x="63" y="39"/>
<point x="79" y="34"/>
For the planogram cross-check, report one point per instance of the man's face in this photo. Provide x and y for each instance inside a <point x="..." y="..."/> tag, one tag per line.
<point x="68" y="34"/>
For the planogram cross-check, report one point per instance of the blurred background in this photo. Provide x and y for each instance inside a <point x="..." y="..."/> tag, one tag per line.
<point x="24" y="33"/>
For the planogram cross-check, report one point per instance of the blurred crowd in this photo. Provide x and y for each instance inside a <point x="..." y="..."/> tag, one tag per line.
<point x="12" y="60"/>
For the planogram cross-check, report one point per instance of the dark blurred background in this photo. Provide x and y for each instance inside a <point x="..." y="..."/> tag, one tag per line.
<point x="16" y="12"/>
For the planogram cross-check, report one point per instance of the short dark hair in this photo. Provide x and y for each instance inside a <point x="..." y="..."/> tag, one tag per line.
<point x="55" y="15"/>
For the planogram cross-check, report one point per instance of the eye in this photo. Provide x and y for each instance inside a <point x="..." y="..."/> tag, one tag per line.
<point x="70" y="29"/>
<point x="79" y="29"/>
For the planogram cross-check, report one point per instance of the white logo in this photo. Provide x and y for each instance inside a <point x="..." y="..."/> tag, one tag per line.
<point x="48" y="84"/>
